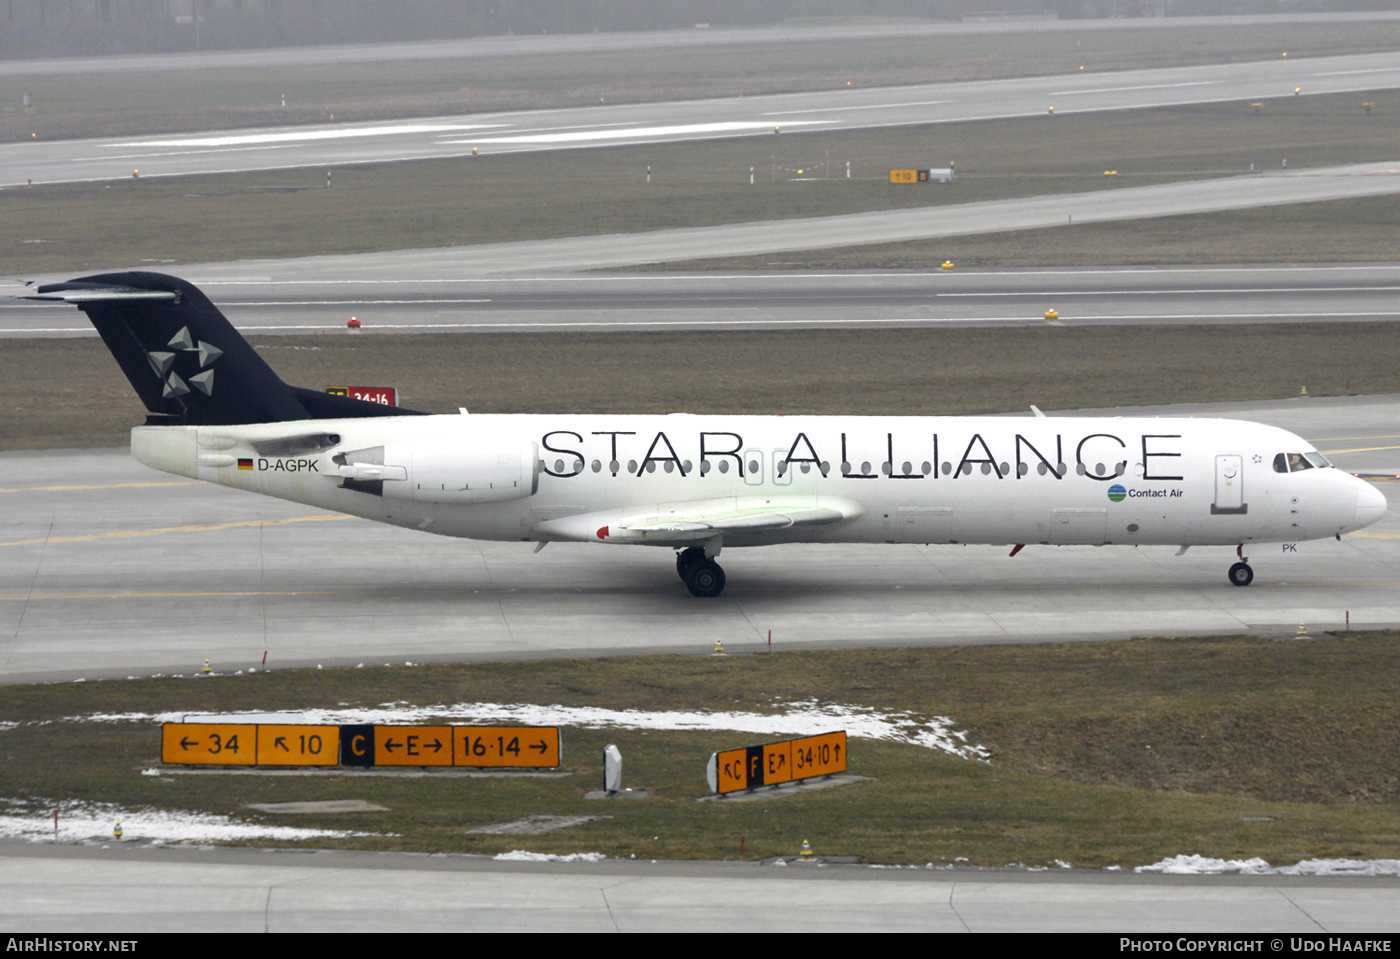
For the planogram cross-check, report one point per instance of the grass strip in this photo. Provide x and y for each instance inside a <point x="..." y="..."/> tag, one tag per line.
<point x="57" y="393"/>
<point x="1102" y="753"/>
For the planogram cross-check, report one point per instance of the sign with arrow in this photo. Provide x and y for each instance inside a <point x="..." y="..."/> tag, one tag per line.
<point x="483" y="747"/>
<point x="298" y="745"/>
<point x="209" y="744"/>
<point x="532" y="747"/>
<point x="413" y="745"/>
<point x="771" y="764"/>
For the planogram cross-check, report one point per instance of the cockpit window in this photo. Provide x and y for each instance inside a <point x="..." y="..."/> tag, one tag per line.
<point x="1295" y="462"/>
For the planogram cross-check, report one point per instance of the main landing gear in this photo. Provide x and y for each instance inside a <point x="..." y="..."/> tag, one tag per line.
<point x="703" y="577"/>
<point x="1241" y="574"/>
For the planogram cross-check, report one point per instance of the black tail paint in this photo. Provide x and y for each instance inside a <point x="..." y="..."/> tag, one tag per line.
<point x="187" y="362"/>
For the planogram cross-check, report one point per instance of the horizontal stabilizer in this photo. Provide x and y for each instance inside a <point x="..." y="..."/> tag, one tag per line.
<point x="93" y="293"/>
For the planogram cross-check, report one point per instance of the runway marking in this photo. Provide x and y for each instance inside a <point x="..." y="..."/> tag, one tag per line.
<point x="67" y="596"/>
<point x="680" y="129"/>
<point x="304" y="135"/>
<point x="729" y="277"/>
<point x="1154" y="86"/>
<point x="131" y="533"/>
<point x="1347" y="73"/>
<point x="1182" y="291"/>
<point x="502" y="591"/>
<point x="1376" y="535"/>
<point x="235" y="303"/>
<point x="626" y="324"/>
<point x="1363" y="449"/>
<point x="59" y="489"/>
<point x="870" y="106"/>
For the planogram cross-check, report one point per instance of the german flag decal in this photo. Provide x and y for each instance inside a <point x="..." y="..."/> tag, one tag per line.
<point x="245" y="463"/>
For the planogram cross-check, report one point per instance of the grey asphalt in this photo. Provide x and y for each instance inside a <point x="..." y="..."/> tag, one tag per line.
<point x="107" y="889"/>
<point x="62" y="161"/>
<point x="110" y="569"/>
<point x="558" y="44"/>
<point x="392" y="303"/>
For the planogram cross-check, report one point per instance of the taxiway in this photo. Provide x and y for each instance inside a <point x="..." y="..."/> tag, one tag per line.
<point x="111" y="569"/>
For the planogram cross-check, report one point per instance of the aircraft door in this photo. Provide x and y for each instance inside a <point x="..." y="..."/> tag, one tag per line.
<point x="1229" y="484"/>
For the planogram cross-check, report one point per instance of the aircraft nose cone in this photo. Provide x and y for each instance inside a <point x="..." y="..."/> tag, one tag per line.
<point x="1370" y="506"/>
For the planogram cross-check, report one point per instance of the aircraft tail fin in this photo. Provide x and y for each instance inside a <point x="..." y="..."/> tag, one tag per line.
<point x="186" y="361"/>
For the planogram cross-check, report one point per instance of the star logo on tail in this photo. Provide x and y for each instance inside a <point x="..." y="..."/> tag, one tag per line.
<point x="163" y="363"/>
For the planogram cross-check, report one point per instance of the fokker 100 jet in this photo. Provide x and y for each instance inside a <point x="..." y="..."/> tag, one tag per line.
<point x="699" y="483"/>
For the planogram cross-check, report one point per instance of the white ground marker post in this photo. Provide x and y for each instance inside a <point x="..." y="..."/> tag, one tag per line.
<point x="612" y="770"/>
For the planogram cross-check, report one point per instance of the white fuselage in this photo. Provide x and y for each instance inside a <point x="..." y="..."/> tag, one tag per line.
<point x="996" y="480"/>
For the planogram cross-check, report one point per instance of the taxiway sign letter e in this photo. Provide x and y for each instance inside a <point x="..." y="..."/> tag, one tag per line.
<point x="413" y="745"/>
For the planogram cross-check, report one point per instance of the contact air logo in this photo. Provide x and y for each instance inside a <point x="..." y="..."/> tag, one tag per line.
<point x="1117" y="493"/>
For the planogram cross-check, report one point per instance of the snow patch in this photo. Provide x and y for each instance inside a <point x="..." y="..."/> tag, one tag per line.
<point x="1205" y="866"/>
<point x="520" y="855"/>
<point x="86" y="822"/>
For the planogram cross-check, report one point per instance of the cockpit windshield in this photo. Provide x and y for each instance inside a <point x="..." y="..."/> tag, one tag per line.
<point x="1296" y="462"/>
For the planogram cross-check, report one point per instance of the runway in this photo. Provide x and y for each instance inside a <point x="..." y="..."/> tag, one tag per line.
<point x="602" y="42"/>
<point x="287" y="304"/>
<point x="111" y="569"/>
<point x="133" y="889"/>
<point x="68" y="161"/>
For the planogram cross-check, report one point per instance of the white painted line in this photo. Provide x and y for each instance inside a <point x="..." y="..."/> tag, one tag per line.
<point x="230" y="303"/>
<point x="730" y="126"/>
<point x="1348" y="73"/>
<point x="869" y="106"/>
<point x="1215" y="291"/>
<point x="1154" y="86"/>
<point x="297" y="136"/>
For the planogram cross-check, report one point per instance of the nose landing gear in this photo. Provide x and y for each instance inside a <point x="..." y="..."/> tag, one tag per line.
<point x="703" y="577"/>
<point x="1241" y="574"/>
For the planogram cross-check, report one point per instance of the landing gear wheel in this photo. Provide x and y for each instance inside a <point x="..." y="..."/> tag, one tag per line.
<point x="705" y="578"/>
<point x="1241" y="575"/>
<point x="686" y="560"/>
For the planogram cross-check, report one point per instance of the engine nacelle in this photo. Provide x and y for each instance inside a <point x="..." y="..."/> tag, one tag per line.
<point x="464" y="470"/>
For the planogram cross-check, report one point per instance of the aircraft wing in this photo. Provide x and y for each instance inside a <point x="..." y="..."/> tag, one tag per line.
<point x="680" y="524"/>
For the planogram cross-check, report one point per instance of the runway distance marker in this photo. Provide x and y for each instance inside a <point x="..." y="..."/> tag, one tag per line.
<point x="298" y="745"/>
<point x="209" y="744"/>
<point x="509" y="746"/>
<point x="770" y="764"/>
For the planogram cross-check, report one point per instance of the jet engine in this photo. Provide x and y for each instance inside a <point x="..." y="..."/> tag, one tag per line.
<point x="446" y="470"/>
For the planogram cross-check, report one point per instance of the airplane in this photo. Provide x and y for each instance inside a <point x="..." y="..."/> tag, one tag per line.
<point x="699" y="483"/>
